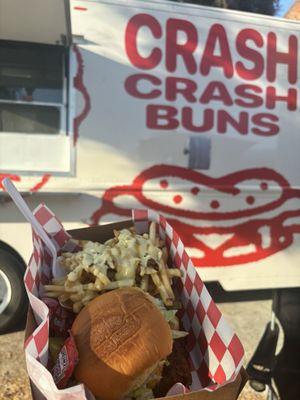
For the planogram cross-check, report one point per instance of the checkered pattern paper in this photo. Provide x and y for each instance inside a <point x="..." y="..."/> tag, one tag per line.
<point x="37" y="274"/>
<point x="216" y="353"/>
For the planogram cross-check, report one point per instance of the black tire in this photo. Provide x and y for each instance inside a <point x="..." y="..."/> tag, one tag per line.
<point x="11" y="275"/>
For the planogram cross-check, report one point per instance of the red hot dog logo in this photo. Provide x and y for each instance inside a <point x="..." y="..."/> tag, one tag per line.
<point x="220" y="221"/>
<point x="220" y="81"/>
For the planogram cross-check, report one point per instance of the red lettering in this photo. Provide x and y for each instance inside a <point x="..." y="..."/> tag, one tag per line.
<point x="244" y="91"/>
<point x="225" y="119"/>
<point x="217" y="35"/>
<point x="275" y="57"/>
<point x="216" y="91"/>
<point x="131" y="86"/>
<point x="187" y="120"/>
<point x="183" y="86"/>
<point x="161" y="117"/>
<point x="186" y="50"/>
<point x="134" y="25"/>
<point x="265" y="120"/>
<point x="272" y="98"/>
<point x="249" y="54"/>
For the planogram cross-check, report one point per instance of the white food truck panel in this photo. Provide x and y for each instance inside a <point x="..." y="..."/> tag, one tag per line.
<point x="190" y="111"/>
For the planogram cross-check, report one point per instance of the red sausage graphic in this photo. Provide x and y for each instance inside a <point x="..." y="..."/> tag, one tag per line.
<point x="242" y="224"/>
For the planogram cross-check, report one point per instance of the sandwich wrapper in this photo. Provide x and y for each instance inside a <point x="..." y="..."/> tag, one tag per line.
<point x="215" y="351"/>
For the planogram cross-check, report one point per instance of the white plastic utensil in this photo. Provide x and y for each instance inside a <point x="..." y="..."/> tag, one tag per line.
<point x="36" y="226"/>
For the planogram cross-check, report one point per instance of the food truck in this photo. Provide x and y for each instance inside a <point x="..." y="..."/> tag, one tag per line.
<point x="110" y="105"/>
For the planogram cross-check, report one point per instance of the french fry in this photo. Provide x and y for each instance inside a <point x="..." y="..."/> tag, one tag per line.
<point x="67" y="254"/>
<point x="174" y="324"/>
<point x="165" y="280"/>
<point x="74" y="289"/>
<point x="99" y="285"/>
<point x="76" y="297"/>
<point x="88" y="297"/>
<point x="162" y="290"/>
<point x="77" y="307"/>
<point x="172" y="272"/>
<point x="59" y="281"/>
<point x="69" y="283"/>
<point x="52" y="294"/>
<point x="76" y="273"/>
<point x="103" y="278"/>
<point x="91" y="286"/>
<point x="119" y="284"/>
<point x="178" y="334"/>
<point x="164" y="254"/>
<point x="54" y="288"/>
<point x="147" y="271"/>
<point x="145" y="283"/>
<point x="65" y="262"/>
<point x="111" y="242"/>
<point x="152" y="233"/>
<point x="116" y="233"/>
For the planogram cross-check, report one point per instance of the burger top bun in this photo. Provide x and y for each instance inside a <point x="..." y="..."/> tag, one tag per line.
<point x="120" y="336"/>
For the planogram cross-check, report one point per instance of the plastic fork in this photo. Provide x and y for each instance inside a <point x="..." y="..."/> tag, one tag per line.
<point x="36" y="226"/>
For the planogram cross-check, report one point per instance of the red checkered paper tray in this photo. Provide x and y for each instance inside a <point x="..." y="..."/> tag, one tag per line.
<point x="215" y="351"/>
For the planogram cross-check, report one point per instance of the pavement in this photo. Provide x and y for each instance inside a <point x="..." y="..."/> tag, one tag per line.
<point x="248" y="320"/>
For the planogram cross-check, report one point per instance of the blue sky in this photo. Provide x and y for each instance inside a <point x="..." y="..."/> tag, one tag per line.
<point x="284" y="6"/>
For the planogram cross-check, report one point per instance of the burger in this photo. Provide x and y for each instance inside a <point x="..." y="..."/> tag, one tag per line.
<point x="125" y="347"/>
<point x="127" y="321"/>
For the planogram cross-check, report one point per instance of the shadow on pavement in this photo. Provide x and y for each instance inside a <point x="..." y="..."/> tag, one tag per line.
<point x="222" y="296"/>
<point x="287" y="369"/>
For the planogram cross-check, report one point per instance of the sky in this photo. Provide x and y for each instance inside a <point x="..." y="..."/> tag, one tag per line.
<point x="284" y="6"/>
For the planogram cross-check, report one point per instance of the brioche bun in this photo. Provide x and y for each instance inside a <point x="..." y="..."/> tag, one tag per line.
<point x="120" y="336"/>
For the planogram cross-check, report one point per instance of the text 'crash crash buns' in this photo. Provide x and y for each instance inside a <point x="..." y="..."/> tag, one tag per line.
<point x="121" y="336"/>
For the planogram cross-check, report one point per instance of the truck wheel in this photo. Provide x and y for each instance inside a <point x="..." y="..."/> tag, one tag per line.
<point x="13" y="298"/>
